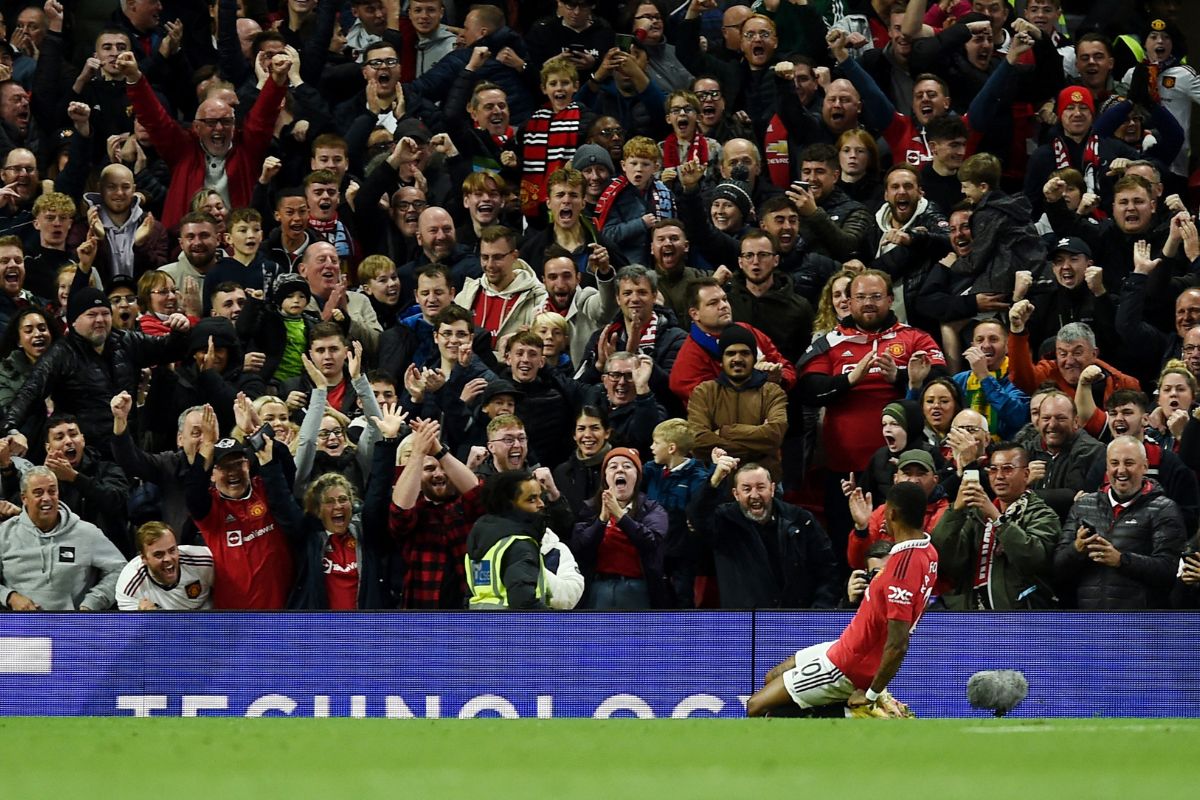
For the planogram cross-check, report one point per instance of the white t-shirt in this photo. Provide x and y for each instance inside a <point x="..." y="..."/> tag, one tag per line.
<point x="191" y="593"/>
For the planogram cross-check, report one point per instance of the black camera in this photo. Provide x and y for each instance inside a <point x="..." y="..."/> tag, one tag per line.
<point x="258" y="440"/>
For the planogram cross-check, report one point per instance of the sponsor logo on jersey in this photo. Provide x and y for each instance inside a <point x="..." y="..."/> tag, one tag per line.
<point x="66" y="555"/>
<point x="192" y="590"/>
<point x="897" y="594"/>
<point x="233" y="538"/>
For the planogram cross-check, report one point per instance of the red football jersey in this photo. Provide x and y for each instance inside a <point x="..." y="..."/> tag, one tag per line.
<point x="852" y="429"/>
<point x="340" y="562"/>
<point x="900" y="592"/>
<point x="253" y="561"/>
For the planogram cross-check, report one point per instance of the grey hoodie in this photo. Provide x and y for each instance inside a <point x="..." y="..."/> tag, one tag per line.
<point x="120" y="237"/>
<point x="69" y="566"/>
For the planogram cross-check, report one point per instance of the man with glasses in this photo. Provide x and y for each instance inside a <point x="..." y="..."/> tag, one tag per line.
<point x="508" y="295"/>
<point x="714" y="121"/>
<point x="765" y="298"/>
<point x="633" y="413"/>
<point x="22" y="184"/>
<point x="996" y="553"/>
<point x="216" y="153"/>
<point x="572" y="32"/>
<point x="384" y="99"/>
<point x="123" y="300"/>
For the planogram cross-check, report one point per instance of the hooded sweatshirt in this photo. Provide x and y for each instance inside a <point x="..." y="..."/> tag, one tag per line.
<point x="508" y="309"/>
<point x="71" y="565"/>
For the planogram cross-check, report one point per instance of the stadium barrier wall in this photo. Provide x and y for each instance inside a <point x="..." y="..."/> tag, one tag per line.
<point x="669" y="664"/>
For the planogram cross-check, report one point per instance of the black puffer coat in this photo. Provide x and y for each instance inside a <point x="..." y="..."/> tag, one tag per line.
<point x="1150" y="537"/>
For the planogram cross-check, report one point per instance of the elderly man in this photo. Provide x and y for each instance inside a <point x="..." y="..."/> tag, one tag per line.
<point x="996" y="553"/>
<point x="642" y="328"/>
<point x="321" y="267"/>
<point x="741" y="161"/>
<point x="20" y="174"/>
<point x="633" y="413"/>
<point x="91" y="364"/>
<point x="1142" y="339"/>
<point x="740" y="412"/>
<point x="215" y="153"/>
<point x="1120" y="546"/>
<point x="1063" y="454"/>
<point x="165" y="574"/>
<point x="768" y="553"/>
<point x="1074" y="351"/>
<point x="52" y="560"/>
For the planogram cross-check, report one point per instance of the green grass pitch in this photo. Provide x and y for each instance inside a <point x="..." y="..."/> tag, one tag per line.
<point x="227" y="759"/>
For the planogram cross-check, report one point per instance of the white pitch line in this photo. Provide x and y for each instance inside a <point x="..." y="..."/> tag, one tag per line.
<point x="26" y="655"/>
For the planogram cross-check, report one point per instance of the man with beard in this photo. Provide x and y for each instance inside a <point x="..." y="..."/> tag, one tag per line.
<point x="198" y="248"/>
<point x="1062" y="456"/>
<point x="996" y="553"/>
<point x="641" y="328"/>
<point x="669" y="251"/>
<point x="507" y="296"/>
<point x="439" y="245"/>
<point x="568" y="229"/>
<point x="434" y="503"/>
<point x="768" y="553"/>
<point x="856" y="370"/>
<point x="133" y="241"/>
<point x="987" y="386"/>
<point x="215" y="154"/>
<point x="1074" y="351"/>
<point x="94" y="488"/>
<point x="20" y="174"/>
<point x="763" y="297"/>
<point x="321" y="267"/>
<point x="585" y="308"/>
<point x="165" y="574"/>
<point x="1127" y="413"/>
<point x="908" y="236"/>
<point x="1076" y="144"/>
<point x="596" y="165"/>
<point x="830" y="221"/>
<point x="87" y="564"/>
<point x="249" y="522"/>
<point x="1120" y="546"/>
<point x="91" y="364"/>
<point x="699" y="358"/>
<point x="740" y="412"/>
<point x="1078" y="294"/>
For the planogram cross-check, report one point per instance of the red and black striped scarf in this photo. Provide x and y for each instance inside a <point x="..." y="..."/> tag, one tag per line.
<point x="661" y="200"/>
<point x="697" y="150"/>
<point x="548" y="142"/>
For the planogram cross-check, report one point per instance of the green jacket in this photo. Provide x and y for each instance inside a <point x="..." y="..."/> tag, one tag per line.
<point x="1022" y="567"/>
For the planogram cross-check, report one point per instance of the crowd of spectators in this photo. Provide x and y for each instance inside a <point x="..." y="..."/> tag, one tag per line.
<point x="348" y="304"/>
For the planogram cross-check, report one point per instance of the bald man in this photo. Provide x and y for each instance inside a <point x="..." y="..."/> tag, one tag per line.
<point x="215" y="153"/>
<point x="1149" y="347"/>
<point x="134" y="242"/>
<point x="438" y="241"/>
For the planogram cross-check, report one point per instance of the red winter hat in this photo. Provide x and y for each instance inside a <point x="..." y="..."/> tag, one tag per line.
<point x="1075" y="94"/>
<point x="632" y="455"/>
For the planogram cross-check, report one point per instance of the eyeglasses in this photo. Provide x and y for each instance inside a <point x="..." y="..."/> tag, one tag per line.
<point x="682" y="111"/>
<point x="323" y="435"/>
<point x="651" y="17"/>
<point x="710" y="94"/>
<point x="407" y="205"/>
<point x="21" y="170"/>
<point x="376" y="63"/>
<point x="969" y="428"/>
<point x="761" y="255"/>
<point x="752" y="35"/>
<point x="164" y="291"/>
<point x="874" y="298"/>
<point x="123" y="300"/>
<point x="216" y="122"/>
<point x="611" y="131"/>
<point x="617" y="377"/>
<point x="1003" y="469"/>
<point x="340" y="500"/>
<point x="1191" y="348"/>
<point x="509" y="441"/>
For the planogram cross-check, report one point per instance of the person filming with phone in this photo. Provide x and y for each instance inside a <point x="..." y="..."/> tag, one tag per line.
<point x="997" y="551"/>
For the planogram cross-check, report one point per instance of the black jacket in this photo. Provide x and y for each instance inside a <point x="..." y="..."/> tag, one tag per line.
<point x="579" y="481"/>
<point x="645" y="526"/>
<point x="839" y="227"/>
<point x="548" y="410"/>
<point x="1003" y="242"/>
<point x="747" y="575"/>
<point x="784" y="316"/>
<point x="1149" y="535"/>
<point x="82" y="382"/>
<point x="522" y="561"/>
<point x="1067" y="474"/>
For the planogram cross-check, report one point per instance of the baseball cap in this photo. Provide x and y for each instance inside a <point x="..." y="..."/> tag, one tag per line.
<point x="498" y="387"/>
<point x="1069" y="244"/>
<point x="915" y="457"/>
<point x="414" y="129"/>
<point x="122" y="282"/>
<point x="226" y="448"/>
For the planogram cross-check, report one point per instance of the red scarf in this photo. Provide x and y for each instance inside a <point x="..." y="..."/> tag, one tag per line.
<point x="662" y="201"/>
<point x="548" y="141"/>
<point x="1091" y="160"/>
<point x="647" y="338"/>
<point x="502" y="140"/>
<point x="697" y="150"/>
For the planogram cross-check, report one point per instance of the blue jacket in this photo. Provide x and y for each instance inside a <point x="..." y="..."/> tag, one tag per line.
<point x="673" y="490"/>
<point x="1010" y="403"/>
